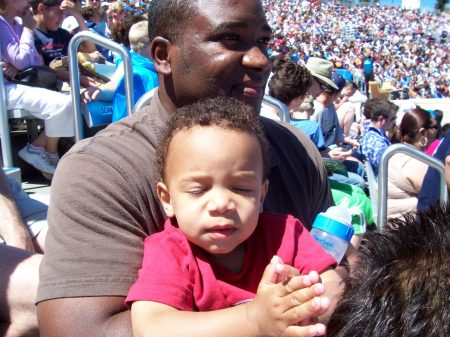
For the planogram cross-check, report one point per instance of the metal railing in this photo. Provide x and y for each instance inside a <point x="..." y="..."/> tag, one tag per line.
<point x="282" y="109"/>
<point x="383" y="176"/>
<point x="4" y="124"/>
<point x="75" y="76"/>
<point x="144" y="100"/>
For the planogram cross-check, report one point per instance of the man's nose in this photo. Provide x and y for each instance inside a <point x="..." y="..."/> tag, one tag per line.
<point x="220" y="201"/>
<point x="255" y="58"/>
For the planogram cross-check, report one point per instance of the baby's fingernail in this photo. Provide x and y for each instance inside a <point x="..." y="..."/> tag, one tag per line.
<point x="279" y="268"/>
<point x="276" y="260"/>
<point x="313" y="331"/>
<point x="319" y="288"/>
<point x="306" y="281"/>
<point x="320" y="329"/>
<point x="325" y="302"/>
<point x="316" y="303"/>
<point x="313" y="273"/>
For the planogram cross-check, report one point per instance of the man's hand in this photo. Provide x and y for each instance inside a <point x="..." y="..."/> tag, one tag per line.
<point x="28" y="20"/>
<point x="87" y="81"/>
<point x="69" y="7"/>
<point x="9" y="70"/>
<point x="97" y="57"/>
<point x="288" y="308"/>
<point x="339" y="154"/>
<point x="352" y="142"/>
<point x="90" y="94"/>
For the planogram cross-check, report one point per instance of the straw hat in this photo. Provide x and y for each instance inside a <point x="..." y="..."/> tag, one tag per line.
<point x="321" y="69"/>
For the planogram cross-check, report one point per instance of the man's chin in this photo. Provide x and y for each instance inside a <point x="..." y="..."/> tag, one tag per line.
<point x="254" y="102"/>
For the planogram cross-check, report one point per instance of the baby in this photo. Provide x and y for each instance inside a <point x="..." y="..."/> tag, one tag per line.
<point x="220" y="267"/>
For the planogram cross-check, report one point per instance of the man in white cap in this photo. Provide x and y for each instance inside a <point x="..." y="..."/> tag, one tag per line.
<point x="320" y="70"/>
<point x="329" y="85"/>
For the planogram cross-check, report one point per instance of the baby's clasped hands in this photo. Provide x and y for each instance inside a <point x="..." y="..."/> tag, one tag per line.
<point x="287" y="304"/>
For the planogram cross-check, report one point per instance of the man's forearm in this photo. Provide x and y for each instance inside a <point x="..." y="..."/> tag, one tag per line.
<point x="105" y="316"/>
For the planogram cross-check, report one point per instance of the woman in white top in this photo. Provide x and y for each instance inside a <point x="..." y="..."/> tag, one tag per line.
<point x="18" y="52"/>
<point x="405" y="174"/>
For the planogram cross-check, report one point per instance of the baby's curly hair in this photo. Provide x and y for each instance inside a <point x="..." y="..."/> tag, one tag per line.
<point x="227" y="113"/>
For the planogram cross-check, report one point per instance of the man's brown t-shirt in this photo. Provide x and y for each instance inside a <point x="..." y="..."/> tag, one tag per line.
<point x="104" y="202"/>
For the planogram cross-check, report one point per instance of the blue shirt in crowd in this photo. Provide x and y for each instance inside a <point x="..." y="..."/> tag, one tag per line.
<point x="145" y="78"/>
<point x="373" y="144"/>
<point x="312" y="129"/>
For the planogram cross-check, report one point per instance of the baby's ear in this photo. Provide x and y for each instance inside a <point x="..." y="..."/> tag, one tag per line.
<point x="164" y="197"/>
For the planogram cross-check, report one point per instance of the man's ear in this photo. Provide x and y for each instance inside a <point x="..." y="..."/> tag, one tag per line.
<point x="160" y="54"/>
<point x="264" y="189"/>
<point x="164" y="197"/>
<point x="40" y="8"/>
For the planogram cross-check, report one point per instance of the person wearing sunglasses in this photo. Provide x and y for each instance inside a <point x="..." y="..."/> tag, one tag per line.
<point x="406" y="174"/>
<point x="327" y="86"/>
<point x="321" y="71"/>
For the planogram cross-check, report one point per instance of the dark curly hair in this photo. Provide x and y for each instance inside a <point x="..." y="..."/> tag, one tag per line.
<point x="167" y="18"/>
<point x="400" y="287"/>
<point x="228" y="113"/>
<point x="290" y="81"/>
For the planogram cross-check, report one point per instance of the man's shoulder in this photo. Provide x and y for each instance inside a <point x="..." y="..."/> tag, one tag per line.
<point x="59" y="34"/>
<point x="370" y="133"/>
<point x="312" y="123"/>
<point x="318" y="112"/>
<point x="132" y="137"/>
<point x="39" y="34"/>
<point x="373" y="141"/>
<point x="284" y="134"/>
<point x="62" y="32"/>
<point x="307" y="125"/>
<point x="276" y="127"/>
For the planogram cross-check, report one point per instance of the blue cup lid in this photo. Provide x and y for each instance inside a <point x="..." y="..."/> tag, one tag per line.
<point x="334" y="227"/>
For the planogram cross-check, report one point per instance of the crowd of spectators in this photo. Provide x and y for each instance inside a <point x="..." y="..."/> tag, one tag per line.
<point x="115" y="170"/>
<point x="409" y="47"/>
<point x="38" y="34"/>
